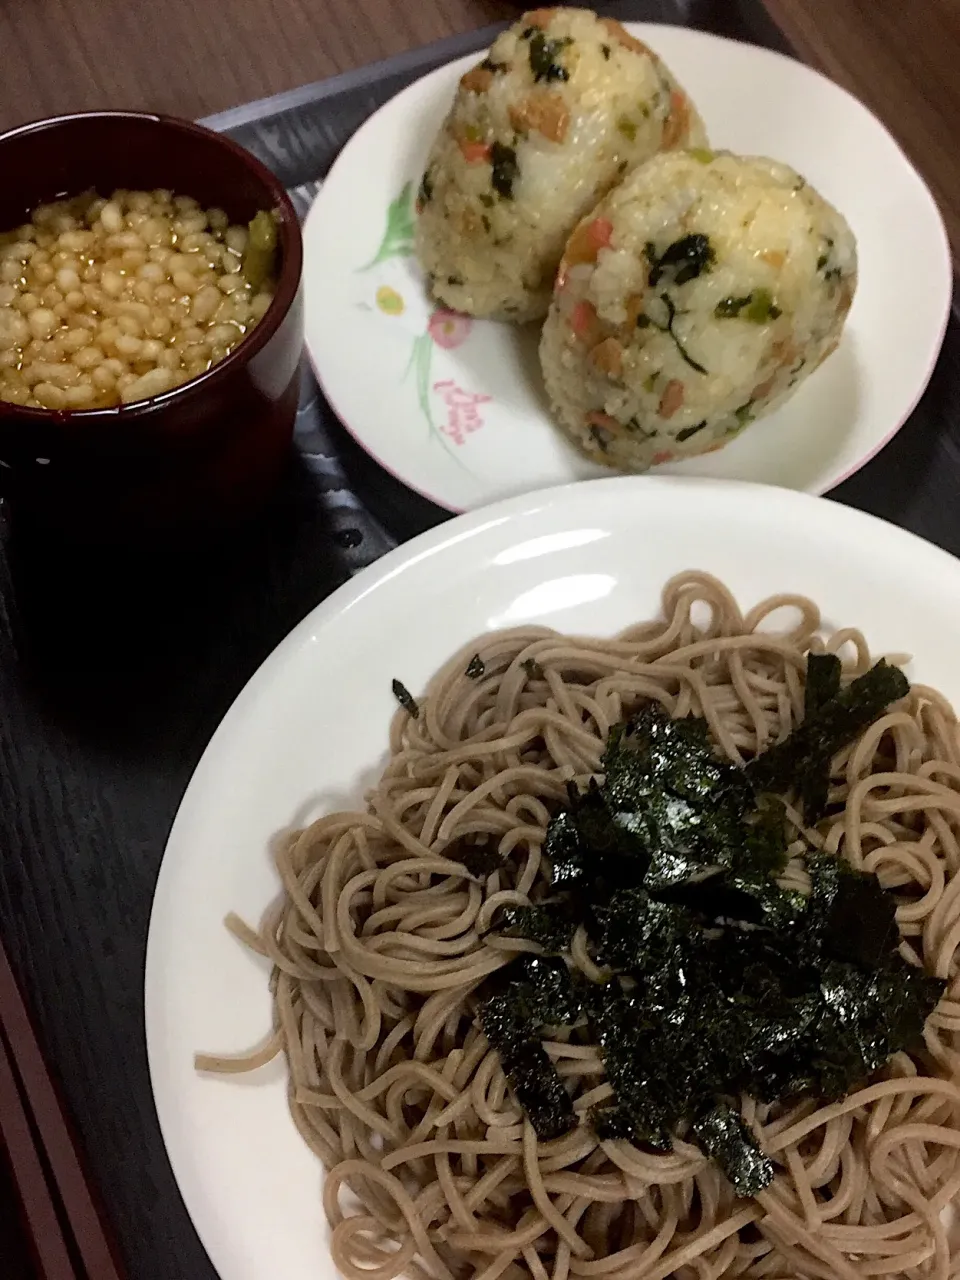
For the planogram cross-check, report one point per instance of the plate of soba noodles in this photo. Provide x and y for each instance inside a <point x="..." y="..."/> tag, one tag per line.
<point x="575" y="895"/>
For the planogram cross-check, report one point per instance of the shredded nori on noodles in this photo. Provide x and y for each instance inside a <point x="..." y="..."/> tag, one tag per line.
<point x="823" y="683"/>
<point x="667" y="788"/>
<point x="532" y="992"/>
<point x="480" y="859"/>
<point x="852" y="918"/>
<point x="833" y="726"/>
<point x="475" y="668"/>
<point x="721" y="982"/>
<point x="551" y="926"/>
<point x="405" y="698"/>
<point x="722" y="1134"/>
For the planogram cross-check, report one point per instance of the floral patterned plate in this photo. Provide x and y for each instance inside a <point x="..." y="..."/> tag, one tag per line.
<point x="455" y="408"/>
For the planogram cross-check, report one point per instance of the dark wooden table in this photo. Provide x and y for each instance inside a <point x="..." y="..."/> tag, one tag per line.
<point x="113" y="675"/>
<point x="194" y="57"/>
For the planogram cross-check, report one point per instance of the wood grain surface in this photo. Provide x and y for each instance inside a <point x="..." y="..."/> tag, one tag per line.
<point x="194" y="57"/>
<point x="900" y="58"/>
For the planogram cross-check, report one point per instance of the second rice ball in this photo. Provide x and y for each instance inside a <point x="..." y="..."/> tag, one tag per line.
<point x="694" y="299"/>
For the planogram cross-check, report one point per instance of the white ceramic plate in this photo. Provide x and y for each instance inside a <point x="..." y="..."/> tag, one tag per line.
<point x="309" y="733"/>
<point x="456" y="409"/>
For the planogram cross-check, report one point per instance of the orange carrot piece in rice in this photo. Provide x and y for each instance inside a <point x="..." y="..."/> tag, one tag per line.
<point x="607" y="357"/>
<point x="672" y="398"/>
<point x="538" y="17"/>
<point x="678" y="121"/>
<point x="477" y="80"/>
<point x="584" y="320"/>
<point x="596" y="419"/>
<point x="541" y="111"/>
<point x="474" y="152"/>
<point x="623" y="37"/>
<point x="634" y="309"/>
<point x="587" y="241"/>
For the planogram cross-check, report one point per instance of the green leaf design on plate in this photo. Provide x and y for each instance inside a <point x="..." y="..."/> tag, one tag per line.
<point x="421" y="358"/>
<point x="398" y="237"/>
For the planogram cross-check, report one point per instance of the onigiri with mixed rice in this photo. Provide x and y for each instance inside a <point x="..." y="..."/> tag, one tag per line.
<point x="563" y="105"/>
<point x="695" y="298"/>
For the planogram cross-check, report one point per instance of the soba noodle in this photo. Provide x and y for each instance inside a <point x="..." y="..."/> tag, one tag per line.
<point x="378" y="946"/>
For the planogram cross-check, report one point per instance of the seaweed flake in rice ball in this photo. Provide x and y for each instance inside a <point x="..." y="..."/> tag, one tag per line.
<point x="562" y="106"/>
<point x="694" y="299"/>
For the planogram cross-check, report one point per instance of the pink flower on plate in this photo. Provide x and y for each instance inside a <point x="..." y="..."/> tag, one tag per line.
<point x="448" y="329"/>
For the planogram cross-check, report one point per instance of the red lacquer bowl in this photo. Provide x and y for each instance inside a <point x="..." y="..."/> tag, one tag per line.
<point x="208" y="453"/>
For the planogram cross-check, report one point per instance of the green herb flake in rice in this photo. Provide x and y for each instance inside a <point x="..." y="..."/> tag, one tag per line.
<point x="682" y="261"/>
<point x="645" y="321"/>
<point x="544" y="54"/>
<point x="425" y="192"/>
<point x="758" y="307"/>
<point x="687" y="432"/>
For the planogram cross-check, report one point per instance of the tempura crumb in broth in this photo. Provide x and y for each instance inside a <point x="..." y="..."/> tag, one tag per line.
<point x="104" y="302"/>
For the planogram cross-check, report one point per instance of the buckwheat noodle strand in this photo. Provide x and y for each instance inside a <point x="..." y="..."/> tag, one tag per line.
<point x="433" y="1172"/>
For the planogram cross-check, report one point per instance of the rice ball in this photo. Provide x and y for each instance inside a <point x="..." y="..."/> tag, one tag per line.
<point x="694" y="299"/>
<point x="562" y="106"/>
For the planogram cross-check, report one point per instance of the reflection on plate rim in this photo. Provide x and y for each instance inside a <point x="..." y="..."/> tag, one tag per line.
<point x="859" y="464"/>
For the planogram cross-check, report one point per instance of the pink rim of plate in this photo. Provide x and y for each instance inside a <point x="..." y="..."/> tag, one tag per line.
<point x="868" y="457"/>
<point x="342" y="419"/>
